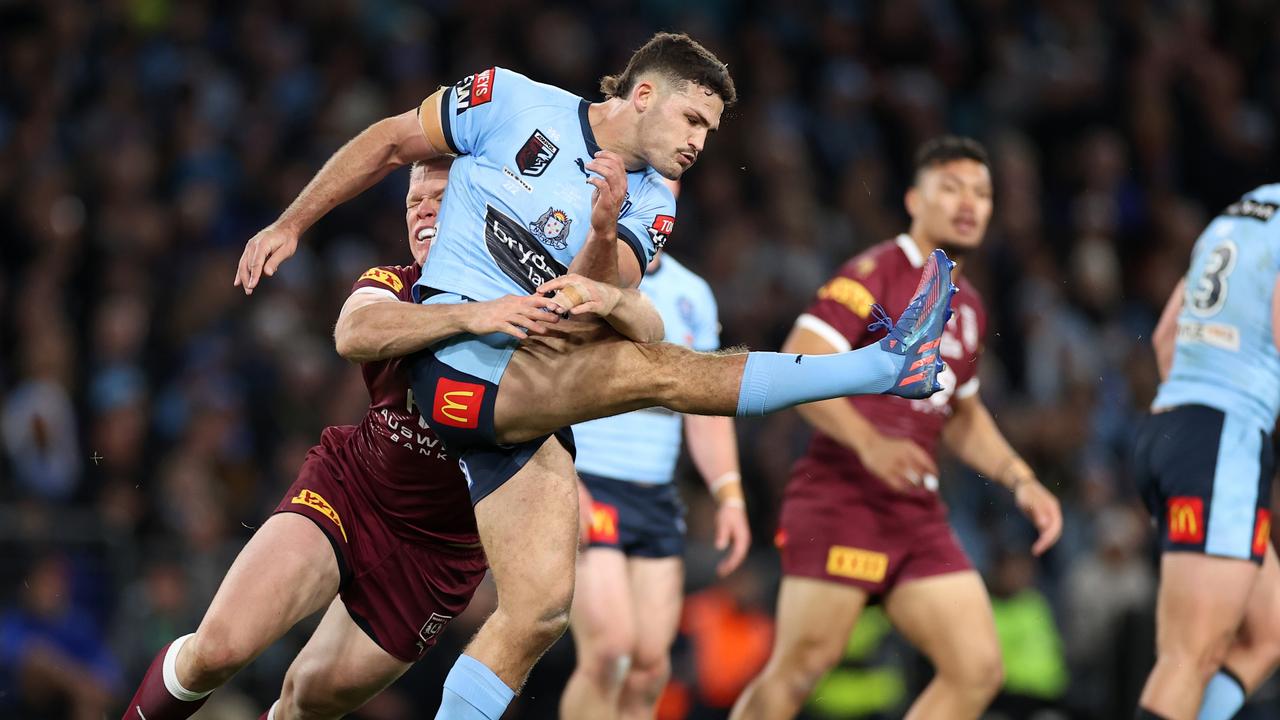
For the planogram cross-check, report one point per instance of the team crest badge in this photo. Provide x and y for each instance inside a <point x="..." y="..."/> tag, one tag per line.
<point x="536" y="154"/>
<point x="552" y="228"/>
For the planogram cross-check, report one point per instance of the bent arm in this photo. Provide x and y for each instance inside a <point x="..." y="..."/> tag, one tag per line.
<point x="607" y="259"/>
<point x="376" y="326"/>
<point x="367" y="158"/>
<point x="972" y="436"/>
<point x="714" y="449"/>
<point x="1165" y="336"/>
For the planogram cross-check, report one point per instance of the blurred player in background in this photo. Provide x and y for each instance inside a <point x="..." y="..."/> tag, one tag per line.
<point x="626" y="603"/>
<point x="1204" y="464"/>
<point x="861" y="519"/>
<point x="553" y="194"/>
<point x="378" y="515"/>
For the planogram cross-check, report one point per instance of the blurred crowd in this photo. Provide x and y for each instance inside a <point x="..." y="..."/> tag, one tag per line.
<point x="151" y="414"/>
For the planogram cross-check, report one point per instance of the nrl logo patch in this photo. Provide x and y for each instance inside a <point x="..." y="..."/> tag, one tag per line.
<point x="536" y="154"/>
<point x="552" y="228"/>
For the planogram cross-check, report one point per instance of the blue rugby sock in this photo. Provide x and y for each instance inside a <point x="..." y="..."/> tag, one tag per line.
<point x="473" y="692"/>
<point x="775" y="381"/>
<point x="1223" y="697"/>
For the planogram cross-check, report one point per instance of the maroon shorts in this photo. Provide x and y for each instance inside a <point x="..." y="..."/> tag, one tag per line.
<point x="836" y="528"/>
<point x="401" y="593"/>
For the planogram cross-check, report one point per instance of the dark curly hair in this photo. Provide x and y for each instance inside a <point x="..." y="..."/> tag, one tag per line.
<point x="680" y="59"/>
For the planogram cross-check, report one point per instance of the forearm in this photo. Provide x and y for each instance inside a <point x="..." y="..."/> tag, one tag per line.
<point x="355" y="167"/>
<point x="636" y="318"/>
<point x="385" y="330"/>
<point x="840" y="421"/>
<point x="713" y="445"/>
<point x="598" y="259"/>
<point x="972" y="436"/>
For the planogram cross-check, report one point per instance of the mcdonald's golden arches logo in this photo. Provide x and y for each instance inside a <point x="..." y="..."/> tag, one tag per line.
<point x="1186" y="519"/>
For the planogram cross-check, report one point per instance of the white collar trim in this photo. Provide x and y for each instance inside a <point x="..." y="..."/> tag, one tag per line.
<point x="910" y="249"/>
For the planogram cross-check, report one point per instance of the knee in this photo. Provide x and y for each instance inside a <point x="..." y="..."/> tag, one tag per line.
<point x="607" y="662"/>
<point x="1201" y="652"/>
<point x="980" y="671"/>
<point x="307" y="695"/>
<point x="647" y="677"/>
<point x="539" y="623"/>
<point x="213" y="655"/>
<point x="801" y="667"/>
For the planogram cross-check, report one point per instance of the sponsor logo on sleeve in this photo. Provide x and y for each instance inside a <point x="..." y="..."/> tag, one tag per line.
<point x="1186" y="519"/>
<point x="536" y="154"/>
<point x="661" y="229"/>
<point x="849" y="293"/>
<point x="604" y="523"/>
<point x="552" y="228"/>
<point x="474" y="90"/>
<point x="518" y="252"/>
<point x="313" y="500"/>
<point x="857" y="563"/>
<point x="457" y="404"/>
<point x="1252" y="209"/>
<point x="1261" y="531"/>
<point x="385" y="277"/>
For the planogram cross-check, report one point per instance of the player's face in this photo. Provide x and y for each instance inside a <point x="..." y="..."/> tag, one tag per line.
<point x="675" y="126"/>
<point x="952" y="203"/>
<point x="426" y="190"/>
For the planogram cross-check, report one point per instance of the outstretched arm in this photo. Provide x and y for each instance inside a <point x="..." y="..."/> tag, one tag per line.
<point x="377" y="326"/>
<point x="355" y="167"/>
<point x="1165" y="336"/>
<point x="714" y="449"/>
<point x="971" y="434"/>
<point x="629" y="311"/>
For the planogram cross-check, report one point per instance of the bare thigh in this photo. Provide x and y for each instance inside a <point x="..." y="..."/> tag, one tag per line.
<point x="602" y="617"/>
<point x="338" y="670"/>
<point x="286" y="572"/>
<point x="657" y="591"/>
<point x="948" y="617"/>
<point x="585" y="370"/>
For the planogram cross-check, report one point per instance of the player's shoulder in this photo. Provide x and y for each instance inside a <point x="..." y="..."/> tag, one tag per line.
<point x="655" y="189"/>
<point x="885" y="257"/>
<point x="529" y="91"/>
<point x="1260" y="204"/>
<point x="398" y="279"/>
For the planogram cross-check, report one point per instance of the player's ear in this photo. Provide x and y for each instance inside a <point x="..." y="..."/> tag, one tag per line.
<point x="912" y="200"/>
<point x="643" y="95"/>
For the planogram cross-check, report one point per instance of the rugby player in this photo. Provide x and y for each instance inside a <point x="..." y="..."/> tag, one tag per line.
<point x="861" y="519"/>
<point x="553" y="194"/>
<point x="1204" y="462"/>
<point x="628" y="595"/>
<point x="378" y="518"/>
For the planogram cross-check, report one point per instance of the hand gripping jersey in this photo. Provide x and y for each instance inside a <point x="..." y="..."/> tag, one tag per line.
<point x="518" y="208"/>
<point x="887" y="274"/>
<point x="643" y="446"/>
<point x="1225" y="355"/>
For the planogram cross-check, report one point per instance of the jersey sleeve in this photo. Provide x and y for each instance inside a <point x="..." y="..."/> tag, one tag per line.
<point x="707" y="335"/>
<point x="389" y="280"/>
<point x="842" y="310"/>
<point x="647" y="222"/>
<point x="472" y="109"/>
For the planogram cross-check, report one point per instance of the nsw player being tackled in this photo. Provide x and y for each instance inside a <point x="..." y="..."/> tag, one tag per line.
<point x="1204" y="464"/>
<point x="861" y="519"/>
<point x="555" y="194"/>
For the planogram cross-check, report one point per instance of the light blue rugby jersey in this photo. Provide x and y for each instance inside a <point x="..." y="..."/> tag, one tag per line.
<point x="1226" y="356"/>
<point x="518" y="207"/>
<point x="643" y="446"/>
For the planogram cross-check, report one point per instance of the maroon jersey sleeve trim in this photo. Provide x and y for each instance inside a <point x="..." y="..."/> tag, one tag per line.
<point x="824" y="330"/>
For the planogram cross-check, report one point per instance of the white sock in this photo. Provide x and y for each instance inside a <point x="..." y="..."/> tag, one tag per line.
<point x="271" y="712"/>
<point x="171" y="673"/>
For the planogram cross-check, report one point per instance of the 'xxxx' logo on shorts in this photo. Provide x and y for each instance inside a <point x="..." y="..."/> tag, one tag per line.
<point x="857" y="564"/>
<point x="457" y="404"/>
<point x="313" y="500"/>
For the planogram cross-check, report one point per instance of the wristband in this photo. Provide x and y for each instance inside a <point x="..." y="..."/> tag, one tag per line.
<point x="728" y="478"/>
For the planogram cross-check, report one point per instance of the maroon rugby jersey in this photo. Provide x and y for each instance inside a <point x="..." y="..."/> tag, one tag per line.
<point x="888" y="273"/>
<point x="392" y="459"/>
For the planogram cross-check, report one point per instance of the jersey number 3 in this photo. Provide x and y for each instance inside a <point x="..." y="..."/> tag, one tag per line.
<point x="1208" y="293"/>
